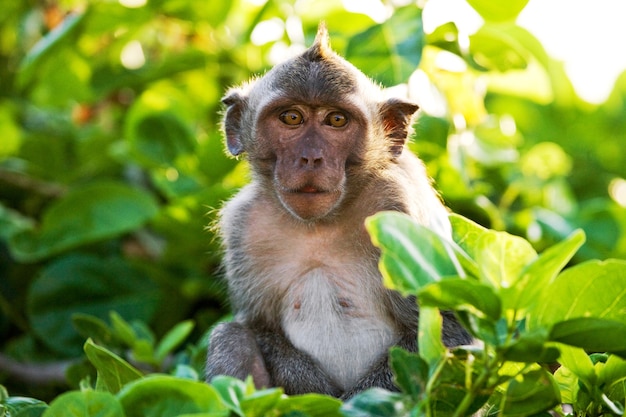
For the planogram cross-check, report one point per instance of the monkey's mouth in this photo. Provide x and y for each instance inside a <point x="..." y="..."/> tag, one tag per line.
<point x="309" y="189"/>
<point x="309" y="202"/>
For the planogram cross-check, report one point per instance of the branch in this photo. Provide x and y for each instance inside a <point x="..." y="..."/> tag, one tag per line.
<point x="36" y="374"/>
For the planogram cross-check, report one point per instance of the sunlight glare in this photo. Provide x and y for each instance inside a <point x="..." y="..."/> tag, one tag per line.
<point x="617" y="191"/>
<point x="132" y="56"/>
<point x="588" y="38"/>
<point x="375" y="9"/>
<point x="133" y="4"/>
<point x="267" y="31"/>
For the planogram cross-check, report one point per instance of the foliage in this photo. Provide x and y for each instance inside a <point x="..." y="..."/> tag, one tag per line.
<point x="503" y="293"/>
<point x="111" y="157"/>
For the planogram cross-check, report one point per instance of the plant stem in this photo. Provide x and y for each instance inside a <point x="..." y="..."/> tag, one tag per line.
<point x="479" y="383"/>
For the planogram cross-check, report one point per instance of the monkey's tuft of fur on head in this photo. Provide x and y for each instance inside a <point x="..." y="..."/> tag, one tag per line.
<point x="320" y="50"/>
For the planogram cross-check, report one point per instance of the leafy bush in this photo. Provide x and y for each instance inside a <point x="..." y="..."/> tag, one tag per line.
<point x="111" y="158"/>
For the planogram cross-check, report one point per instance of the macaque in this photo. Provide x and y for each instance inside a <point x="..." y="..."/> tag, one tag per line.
<point x="326" y="150"/>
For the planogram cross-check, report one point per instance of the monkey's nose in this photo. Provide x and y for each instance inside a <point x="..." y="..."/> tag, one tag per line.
<point x="310" y="162"/>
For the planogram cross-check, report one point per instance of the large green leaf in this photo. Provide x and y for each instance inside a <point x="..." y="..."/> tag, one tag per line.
<point x="498" y="10"/>
<point x="167" y="396"/>
<point x="592" y="289"/>
<point x="113" y="371"/>
<point x="89" y="285"/>
<point x="391" y="51"/>
<point x="540" y="273"/>
<point x="502" y="257"/>
<point x="592" y="334"/>
<point x="87" y="214"/>
<point x="412" y="255"/>
<point x="85" y="404"/>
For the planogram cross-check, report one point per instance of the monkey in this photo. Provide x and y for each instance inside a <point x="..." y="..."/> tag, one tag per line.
<point x="326" y="149"/>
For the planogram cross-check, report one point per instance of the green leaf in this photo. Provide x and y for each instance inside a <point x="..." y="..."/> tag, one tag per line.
<point x="113" y="371"/>
<point x="375" y="402"/>
<point x="49" y="45"/>
<point x="592" y="334"/>
<point x="412" y="255"/>
<point x="531" y="347"/>
<point x="591" y="289"/>
<point x="495" y="47"/>
<point x="167" y="396"/>
<point x="540" y="273"/>
<point x="260" y="403"/>
<point x="232" y="391"/>
<point x="462" y="294"/>
<point x="20" y="406"/>
<point x="91" y="327"/>
<point x="391" y="51"/>
<point x="312" y="405"/>
<point x="88" y="214"/>
<point x="531" y="393"/>
<point x="122" y="329"/>
<point x="577" y="361"/>
<point x="613" y="371"/>
<point x="568" y="384"/>
<point x="502" y="258"/>
<point x="85" y="404"/>
<point x="498" y="11"/>
<point x="173" y="338"/>
<point x="429" y="335"/>
<point x="445" y="37"/>
<point x="466" y="233"/>
<point x="89" y="285"/>
<point x="410" y="372"/>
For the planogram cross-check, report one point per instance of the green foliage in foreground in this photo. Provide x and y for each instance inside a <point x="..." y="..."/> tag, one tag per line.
<point x="525" y="309"/>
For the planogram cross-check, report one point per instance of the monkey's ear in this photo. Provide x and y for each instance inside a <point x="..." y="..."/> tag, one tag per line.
<point x="397" y="116"/>
<point x="235" y="105"/>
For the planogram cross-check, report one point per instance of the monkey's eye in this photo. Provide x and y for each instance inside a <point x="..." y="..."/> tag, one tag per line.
<point x="291" y="117"/>
<point x="336" y="119"/>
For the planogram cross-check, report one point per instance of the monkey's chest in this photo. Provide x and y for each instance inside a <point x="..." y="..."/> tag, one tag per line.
<point x="344" y="329"/>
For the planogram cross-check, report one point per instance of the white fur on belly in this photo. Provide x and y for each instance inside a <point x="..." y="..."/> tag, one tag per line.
<point x="322" y="321"/>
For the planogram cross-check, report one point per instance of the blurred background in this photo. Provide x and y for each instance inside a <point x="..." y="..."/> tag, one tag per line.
<point x="112" y="164"/>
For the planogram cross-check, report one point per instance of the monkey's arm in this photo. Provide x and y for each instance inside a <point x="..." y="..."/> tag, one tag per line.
<point x="233" y="351"/>
<point x="293" y="369"/>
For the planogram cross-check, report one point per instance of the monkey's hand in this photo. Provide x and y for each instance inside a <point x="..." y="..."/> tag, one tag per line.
<point x="233" y="351"/>
<point x="293" y="369"/>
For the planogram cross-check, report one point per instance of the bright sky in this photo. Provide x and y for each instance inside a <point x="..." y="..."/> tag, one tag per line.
<point x="588" y="36"/>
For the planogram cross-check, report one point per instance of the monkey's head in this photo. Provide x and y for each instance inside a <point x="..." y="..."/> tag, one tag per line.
<point x="314" y="128"/>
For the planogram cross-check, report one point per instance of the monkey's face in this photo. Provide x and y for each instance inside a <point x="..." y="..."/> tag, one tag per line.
<point x="305" y="149"/>
<point x="314" y="128"/>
